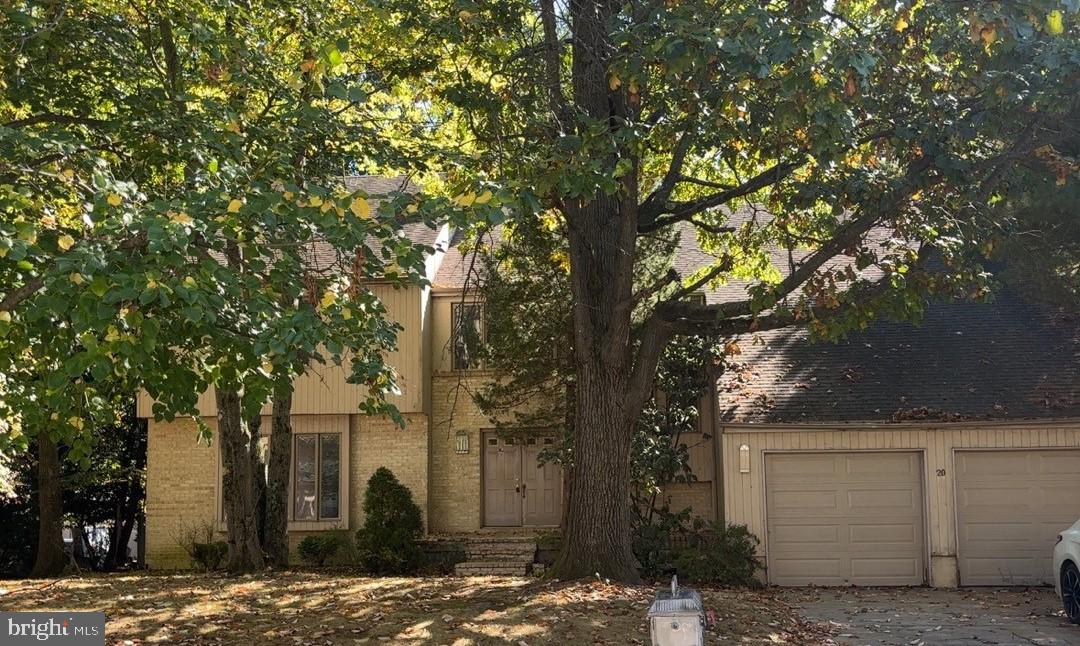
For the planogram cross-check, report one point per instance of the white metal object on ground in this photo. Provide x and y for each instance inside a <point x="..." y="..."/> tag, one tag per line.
<point x="677" y="618"/>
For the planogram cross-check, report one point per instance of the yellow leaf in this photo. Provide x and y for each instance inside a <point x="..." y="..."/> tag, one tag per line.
<point x="989" y="33"/>
<point x="114" y="200"/>
<point x="76" y="278"/>
<point x="76" y="422"/>
<point x="112" y="334"/>
<point x="360" y="208"/>
<point x="1055" y="22"/>
<point x="288" y="195"/>
<point x="65" y="242"/>
<point x="614" y="82"/>
<point x="901" y="23"/>
<point x="182" y="218"/>
<point x="328" y="299"/>
<point x="234" y="206"/>
<point x="189" y="282"/>
<point x="267" y="367"/>
<point x="307" y="65"/>
<point x="484" y="197"/>
<point x="346" y="313"/>
<point x="3" y="251"/>
<point x="326" y="206"/>
<point x="233" y="127"/>
<point x="465" y="199"/>
<point x="315" y="200"/>
<point x="5" y="316"/>
<point x="68" y="174"/>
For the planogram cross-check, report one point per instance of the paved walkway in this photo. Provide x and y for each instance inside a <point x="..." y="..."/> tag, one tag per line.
<point x="918" y="616"/>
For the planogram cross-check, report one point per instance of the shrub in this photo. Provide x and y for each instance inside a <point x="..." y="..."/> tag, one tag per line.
<point x="197" y="541"/>
<point x="387" y="543"/>
<point x="316" y="549"/>
<point x="209" y="556"/>
<point x="719" y="554"/>
<point x="654" y="539"/>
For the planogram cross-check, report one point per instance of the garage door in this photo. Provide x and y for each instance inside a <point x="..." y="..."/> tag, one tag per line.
<point x="844" y="518"/>
<point x="1010" y="507"/>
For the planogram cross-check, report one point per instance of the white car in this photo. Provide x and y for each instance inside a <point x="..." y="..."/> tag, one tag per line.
<point x="1067" y="567"/>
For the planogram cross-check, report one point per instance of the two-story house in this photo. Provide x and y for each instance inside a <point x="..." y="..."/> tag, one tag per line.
<point x="943" y="454"/>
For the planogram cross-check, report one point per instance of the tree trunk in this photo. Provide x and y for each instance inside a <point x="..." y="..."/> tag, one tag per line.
<point x="239" y="485"/>
<point x="51" y="558"/>
<point x="598" y="533"/>
<point x="277" y="478"/>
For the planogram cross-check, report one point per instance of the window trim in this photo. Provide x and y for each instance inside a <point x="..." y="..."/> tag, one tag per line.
<point x="302" y="425"/>
<point x="455" y="307"/>
<point x="318" y="435"/>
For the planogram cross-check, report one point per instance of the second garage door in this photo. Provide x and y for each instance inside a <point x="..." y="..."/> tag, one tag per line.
<point x="1010" y="507"/>
<point x="844" y="518"/>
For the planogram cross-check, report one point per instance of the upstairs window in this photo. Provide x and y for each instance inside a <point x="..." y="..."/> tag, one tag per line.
<point x="468" y="334"/>
<point x="316" y="489"/>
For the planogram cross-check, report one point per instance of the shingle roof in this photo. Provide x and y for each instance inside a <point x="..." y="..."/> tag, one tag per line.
<point x="324" y="257"/>
<point x="1007" y="359"/>
<point x="460" y="265"/>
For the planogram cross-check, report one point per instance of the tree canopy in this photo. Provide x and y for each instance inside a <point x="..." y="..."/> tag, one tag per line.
<point x="864" y="137"/>
<point x="171" y="210"/>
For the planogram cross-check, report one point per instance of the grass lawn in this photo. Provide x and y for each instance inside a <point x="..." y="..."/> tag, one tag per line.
<point x="341" y="608"/>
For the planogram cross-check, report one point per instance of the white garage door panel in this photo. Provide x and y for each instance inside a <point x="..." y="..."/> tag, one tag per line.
<point x="1010" y="507"/>
<point x="839" y="518"/>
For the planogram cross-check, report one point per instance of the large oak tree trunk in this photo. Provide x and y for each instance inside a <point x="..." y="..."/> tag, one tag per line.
<point x="240" y="484"/>
<point x="602" y="233"/>
<point x="277" y="477"/>
<point x="51" y="558"/>
<point x="598" y="537"/>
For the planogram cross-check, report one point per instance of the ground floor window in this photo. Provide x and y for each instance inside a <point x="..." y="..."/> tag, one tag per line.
<point x="316" y="486"/>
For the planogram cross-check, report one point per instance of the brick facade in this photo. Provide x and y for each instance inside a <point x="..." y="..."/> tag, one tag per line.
<point x="455" y="478"/>
<point x="182" y="478"/>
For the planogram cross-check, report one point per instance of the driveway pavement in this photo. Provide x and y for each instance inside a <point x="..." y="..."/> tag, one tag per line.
<point x="917" y="616"/>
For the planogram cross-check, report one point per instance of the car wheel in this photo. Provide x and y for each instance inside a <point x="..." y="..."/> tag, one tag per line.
<point x="1070" y="591"/>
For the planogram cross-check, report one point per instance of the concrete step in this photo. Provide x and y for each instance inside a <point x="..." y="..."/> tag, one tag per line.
<point x="499" y="553"/>
<point x="492" y="568"/>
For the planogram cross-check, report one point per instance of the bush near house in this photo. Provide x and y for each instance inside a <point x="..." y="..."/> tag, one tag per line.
<point x="388" y="543"/>
<point x="209" y="556"/>
<point x="719" y="554"/>
<point x="317" y="549"/>
<point x="656" y="538"/>
<point x="697" y="550"/>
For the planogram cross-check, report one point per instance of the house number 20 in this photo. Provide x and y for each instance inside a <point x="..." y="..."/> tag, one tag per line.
<point x="941" y="473"/>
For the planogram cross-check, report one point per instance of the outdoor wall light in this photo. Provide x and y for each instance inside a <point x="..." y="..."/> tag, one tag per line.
<point x="744" y="458"/>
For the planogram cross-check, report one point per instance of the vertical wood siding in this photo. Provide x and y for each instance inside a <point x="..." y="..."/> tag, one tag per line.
<point x="324" y="390"/>
<point x="744" y="493"/>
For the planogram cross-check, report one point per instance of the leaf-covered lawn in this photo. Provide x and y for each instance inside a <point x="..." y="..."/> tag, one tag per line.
<point x="339" y="608"/>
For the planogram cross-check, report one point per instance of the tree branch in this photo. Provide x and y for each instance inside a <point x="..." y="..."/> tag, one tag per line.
<point x="737" y="313"/>
<point x="656" y="216"/>
<point x="674" y="174"/>
<point x="552" y="61"/>
<point x="52" y="117"/>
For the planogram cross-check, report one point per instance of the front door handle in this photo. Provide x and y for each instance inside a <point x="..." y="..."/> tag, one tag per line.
<point x="523" y="490"/>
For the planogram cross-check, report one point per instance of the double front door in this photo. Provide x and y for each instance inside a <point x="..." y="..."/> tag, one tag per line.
<point x="518" y="490"/>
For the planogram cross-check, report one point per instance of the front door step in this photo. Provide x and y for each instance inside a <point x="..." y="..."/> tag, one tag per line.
<point x="503" y="556"/>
